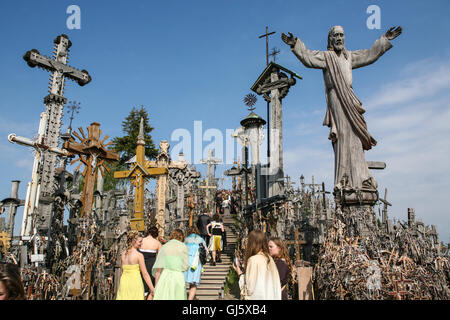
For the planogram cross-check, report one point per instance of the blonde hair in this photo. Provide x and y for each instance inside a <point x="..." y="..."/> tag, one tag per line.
<point x="132" y="236"/>
<point x="177" y="234"/>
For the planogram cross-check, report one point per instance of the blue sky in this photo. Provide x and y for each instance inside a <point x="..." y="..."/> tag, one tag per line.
<point x="189" y="61"/>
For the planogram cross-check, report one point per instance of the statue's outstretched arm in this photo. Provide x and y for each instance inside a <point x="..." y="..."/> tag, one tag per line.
<point x="311" y="59"/>
<point x="361" y="58"/>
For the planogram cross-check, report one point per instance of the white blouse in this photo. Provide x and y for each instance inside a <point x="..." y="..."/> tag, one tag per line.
<point x="261" y="280"/>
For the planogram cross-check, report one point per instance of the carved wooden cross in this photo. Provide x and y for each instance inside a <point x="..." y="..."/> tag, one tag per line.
<point x="92" y="153"/>
<point x="163" y="161"/>
<point x="139" y="174"/>
<point x="298" y="243"/>
<point x="5" y="241"/>
<point x="267" y="34"/>
<point x="191" y="209"/>
<point x="207" y="187"/>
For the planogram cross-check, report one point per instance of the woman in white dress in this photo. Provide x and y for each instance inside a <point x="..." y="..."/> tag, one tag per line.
<point x="261" y="280"/>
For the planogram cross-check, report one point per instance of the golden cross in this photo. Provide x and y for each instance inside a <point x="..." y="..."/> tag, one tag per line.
<point x="5" y="241"/>
<point x="139" y="174"/>
<point x="163" y="162"/>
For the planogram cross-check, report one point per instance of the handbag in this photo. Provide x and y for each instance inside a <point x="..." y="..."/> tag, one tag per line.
<point x="202" y="253"/>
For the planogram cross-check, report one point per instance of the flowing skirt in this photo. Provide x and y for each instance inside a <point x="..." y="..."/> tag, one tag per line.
<point x="215" y="243"/>
<point x="170" y="286"/>
<point x="131" y="286"/>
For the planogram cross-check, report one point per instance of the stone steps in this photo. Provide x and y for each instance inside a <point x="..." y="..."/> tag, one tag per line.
<point x="213" y="279"/>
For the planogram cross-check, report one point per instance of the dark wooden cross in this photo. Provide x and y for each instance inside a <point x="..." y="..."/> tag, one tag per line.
<point x="93" y="154"/>
<point x="385" y="205"/>
<point x="400" y="291"/>
<point x="267" y="34"/>
<point x="297" y="243"/>
<point x="191" y="210"/>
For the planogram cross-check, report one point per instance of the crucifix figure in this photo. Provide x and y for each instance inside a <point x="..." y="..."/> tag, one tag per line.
<point x="348" y="129"/>
<point x="139" y="174"/>
<point x="54" y="103"/>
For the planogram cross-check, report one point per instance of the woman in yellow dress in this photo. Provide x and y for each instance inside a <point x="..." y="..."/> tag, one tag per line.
<point x="131" y="286"/>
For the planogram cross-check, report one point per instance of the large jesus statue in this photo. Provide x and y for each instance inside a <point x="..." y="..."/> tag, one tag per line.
<point x="344" y="116"/>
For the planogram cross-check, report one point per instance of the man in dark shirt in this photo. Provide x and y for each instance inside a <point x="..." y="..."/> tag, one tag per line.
<point x="203" y="220"/>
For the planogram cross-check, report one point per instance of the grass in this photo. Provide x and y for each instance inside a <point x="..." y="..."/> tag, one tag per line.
<point x="232" y="282"/>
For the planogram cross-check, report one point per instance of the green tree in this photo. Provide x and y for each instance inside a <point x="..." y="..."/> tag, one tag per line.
<point x="126" y="145"/>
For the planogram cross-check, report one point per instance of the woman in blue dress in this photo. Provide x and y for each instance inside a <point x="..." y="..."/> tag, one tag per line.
<point x="194" y="272"/>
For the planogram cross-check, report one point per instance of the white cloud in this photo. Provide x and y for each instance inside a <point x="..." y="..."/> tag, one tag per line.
<point x="425" y="79"/>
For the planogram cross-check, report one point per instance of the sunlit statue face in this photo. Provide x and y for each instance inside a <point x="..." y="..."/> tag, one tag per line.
<point x="338" y="38"/>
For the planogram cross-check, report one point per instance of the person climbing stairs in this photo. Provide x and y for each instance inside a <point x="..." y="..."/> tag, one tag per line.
<point x="212" y="281"/>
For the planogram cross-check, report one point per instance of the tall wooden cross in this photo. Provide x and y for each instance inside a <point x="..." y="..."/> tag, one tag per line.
<point x="191" y="209"/>
<point x="163" y="161"/>
<point x="93" y="154"/>
<point x="266" y="35"/>
<point x="385" y="210"/>
<point x="297" y="243"/>
<point x="208" y="187"/>
<point x="139" y="174"/>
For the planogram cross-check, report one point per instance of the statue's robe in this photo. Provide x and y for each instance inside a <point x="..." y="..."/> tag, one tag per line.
<point x="344" y="116"/>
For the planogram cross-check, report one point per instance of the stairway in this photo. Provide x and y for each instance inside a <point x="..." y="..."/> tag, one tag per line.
<point x="212" y="281"/>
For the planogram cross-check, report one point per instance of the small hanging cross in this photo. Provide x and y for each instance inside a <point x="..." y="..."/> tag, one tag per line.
<point x="274" y="53"/>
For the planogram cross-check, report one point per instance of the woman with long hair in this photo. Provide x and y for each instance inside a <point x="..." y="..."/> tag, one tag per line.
<point x="133" y="265"/>
<point x="260" y="280"/>
<point x="149" y="248"/>
<point x="280" y="255"/>
<point x="192" y="276"/>
<point x="11" y="286"/>
<point x="169" y="267"/>
<point x="215" y="240"/>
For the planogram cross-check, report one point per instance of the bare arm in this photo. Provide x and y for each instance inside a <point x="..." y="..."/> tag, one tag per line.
<point x="157" y="274"/>
<point x="207" y="229"/>
<point x="144" y="272"/>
